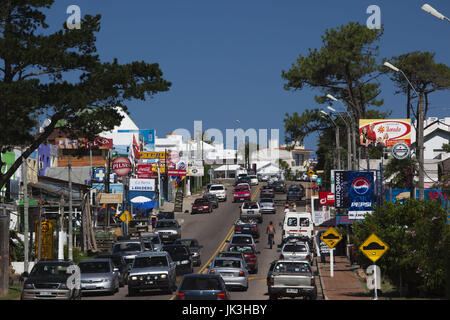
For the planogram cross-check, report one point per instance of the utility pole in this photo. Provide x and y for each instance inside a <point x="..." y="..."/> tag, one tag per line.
<point x="70" y="248"/>
<point x="338" y="149"/>
<point x="26" y="232"/>
<point x="61" y="230"/>
<point x="420" y="148"/>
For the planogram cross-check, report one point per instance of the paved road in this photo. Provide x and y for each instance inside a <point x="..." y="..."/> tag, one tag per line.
<point x="212" y="231"/>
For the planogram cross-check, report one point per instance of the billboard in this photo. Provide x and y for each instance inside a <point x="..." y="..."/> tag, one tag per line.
<point x="385" y="132"/>
<point x="142" y="184"/>
<point x="355" y="191"/>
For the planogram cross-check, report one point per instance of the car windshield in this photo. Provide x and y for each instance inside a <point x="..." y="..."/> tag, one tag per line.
<point x="216" y="188"/>
<point x="292" y="267"/>
<point x="250" y="205"/>
<point x="176" y="251"/>
<point x="148" y="262"/>
<point x="230" y="255"/>
<point x="204" y="200"/>
<point x="200" y="283"/>
<point x="240" y="189"/>
<point x="241" y="240"/>
<point x="227" y="263"/>
<point x="154" y="240"/>
<point x="41" y="269"/>
<point x="294" y="248"/>
<point x="128" y="246"/>
<point x="94" y="267"/>
<point x="243" y="249"/>
<point x="189" y="243"/>
<point x="166" y="224"/>
<point x="148" y="244"/>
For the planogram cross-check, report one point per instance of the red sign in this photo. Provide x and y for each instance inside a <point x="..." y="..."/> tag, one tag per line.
<point x="176" y="172"/>
<point x="144" y="171"/>
<point x="121" y="166"/>
<point x="326" y="198"/>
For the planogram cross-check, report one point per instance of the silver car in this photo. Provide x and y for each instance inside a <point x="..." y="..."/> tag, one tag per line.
<point x="99" y="276"/>
<point x="267" y="205"/>
<point x="296" y="251"/>
<point x="155" y="239"/>
<point x="152" y="270"/>
<point x="232" y="271"/>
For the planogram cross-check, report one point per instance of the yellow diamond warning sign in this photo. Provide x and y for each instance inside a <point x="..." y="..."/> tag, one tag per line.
<point x="331" y="237"/>
<point x="373" y="247"/>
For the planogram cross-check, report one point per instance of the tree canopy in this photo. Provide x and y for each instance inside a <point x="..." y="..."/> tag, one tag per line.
<point x="60" y="76"/>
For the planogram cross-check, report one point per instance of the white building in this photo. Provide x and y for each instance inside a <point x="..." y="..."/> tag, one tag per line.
<point x="436" y="133"/>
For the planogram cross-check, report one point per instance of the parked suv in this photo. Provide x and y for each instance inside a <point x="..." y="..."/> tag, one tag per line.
<point x="48" y="280"/>
<point x="168" y="229"/>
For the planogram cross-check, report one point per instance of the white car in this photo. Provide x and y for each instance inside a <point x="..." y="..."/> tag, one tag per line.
<point x="251" y="209"/>
<point x="219" y="191"/>
<point x="254" y="180"/>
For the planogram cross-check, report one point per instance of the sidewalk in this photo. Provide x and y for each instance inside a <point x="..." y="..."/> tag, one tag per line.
<point x="345" y="285"/>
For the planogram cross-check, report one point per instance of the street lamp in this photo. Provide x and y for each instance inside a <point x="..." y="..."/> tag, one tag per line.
<point x="352" y="126"/>
<point x="337" y="139"/>
<point x="420" y="138"/>
<point x="349" y="150"/>
<point x="427" y="8"/>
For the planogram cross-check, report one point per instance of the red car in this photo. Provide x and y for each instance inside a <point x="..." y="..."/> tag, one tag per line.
<point x="249" y="254"/>
<point x="241" y="193"/>
<point x="202" y="205"/>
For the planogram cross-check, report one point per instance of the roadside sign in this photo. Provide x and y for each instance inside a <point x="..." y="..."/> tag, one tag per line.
<point x="373" y="247"/>
<point x="400" y="151"/>
<point x="311" y="173"/>
<point x="126" y="217"/>
<point x="331" y="237"/>
<point x="319" y="180"/>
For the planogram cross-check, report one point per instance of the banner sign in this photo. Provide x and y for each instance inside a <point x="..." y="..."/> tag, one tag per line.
<point x="343" y="220"/>
<point x="176" y="172"/>
<point x="121" y="166"/>
<point x="385" y="132"/>
<point x="144" y="171"/>
<point x="142" y="184"/>
<point x="105" y="198"/>
<point x="196" y="171"/>
<point x="341" y="190"/>
<point x="100" y="143"/>
<point x="154" y="155"/>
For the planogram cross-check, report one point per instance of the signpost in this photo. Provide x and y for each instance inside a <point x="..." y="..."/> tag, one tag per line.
<point x="374" y="248"/>
<point x="331" y="237"/>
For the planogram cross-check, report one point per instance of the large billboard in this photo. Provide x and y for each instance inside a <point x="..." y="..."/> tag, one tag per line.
<point x="354" y="191"/>
<point x="385" y="132"/>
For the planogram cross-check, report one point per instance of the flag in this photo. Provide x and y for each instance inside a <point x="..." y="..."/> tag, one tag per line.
<point x="135" y="148"/>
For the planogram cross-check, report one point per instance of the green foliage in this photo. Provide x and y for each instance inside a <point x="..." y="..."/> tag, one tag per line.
<point x="61" y="77"/>
<point x="401" y="172"/>
<point x="419" y="244"/>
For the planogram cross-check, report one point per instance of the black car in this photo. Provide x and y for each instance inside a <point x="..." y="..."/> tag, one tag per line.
<point x="243" y="180"/>
<point x="194" y="248"/>
<point x="202" y="287"/>
<point x="182" y="256"/>
<point x="213" y="199"/>
<point x="279" y="187"/>
<point x="295" y="193"/>
<point x="247" y="225"/>
<point x="119" y="263"/>
<point x="166" y="215"/>
<point x="48" y="280"/>
<point x="128" y="249"/>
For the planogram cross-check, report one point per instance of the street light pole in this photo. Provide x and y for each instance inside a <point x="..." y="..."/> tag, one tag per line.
<point x="420" y="134"/>
<point x="427" y="8"/>
<point x="349" y="151"/>
<point x="337" y="140"/>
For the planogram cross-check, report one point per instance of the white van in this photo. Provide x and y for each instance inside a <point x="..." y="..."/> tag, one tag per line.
<point x="298" y="224"/>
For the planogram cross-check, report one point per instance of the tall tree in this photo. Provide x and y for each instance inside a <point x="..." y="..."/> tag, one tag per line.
<point x="345" y="66"/>
<point x="60" y="76"/>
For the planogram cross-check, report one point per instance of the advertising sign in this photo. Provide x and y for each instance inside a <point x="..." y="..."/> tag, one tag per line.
<point x="354" y="190"/>
<point x="326" y="198"/>
<point x="47" y="227"/>
<point x="386" y="132"/>
<point x="341" y="190"/>
<point x="105" y="198"/>
<point x="176" y="172"/>
<point x="400" y="151"/>
<point x="142" y="184"/>
<point x="121" y="166"/>
<point x="99" y="142"/>
<point x="154" y="155"/>
<point x="144" y="171"/>
<point x="196" y="171"/>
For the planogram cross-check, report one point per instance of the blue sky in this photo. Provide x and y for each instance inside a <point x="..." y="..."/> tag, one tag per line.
<point x="224" y="58"/>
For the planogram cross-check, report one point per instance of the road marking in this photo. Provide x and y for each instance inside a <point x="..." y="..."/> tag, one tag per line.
<point x="224" y="242"/>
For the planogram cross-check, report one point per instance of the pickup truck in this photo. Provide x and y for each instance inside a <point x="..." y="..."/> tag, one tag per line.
<point x="291" y="278"/>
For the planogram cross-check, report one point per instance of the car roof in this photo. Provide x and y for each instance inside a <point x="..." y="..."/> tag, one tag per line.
<point x="153" y="254"/>
<point x="199" y="275"/>
<point x="54" y="261"/>
<point x="242" y="235"/>
<point x="228" y="258"/>
<point x="95" y="260"/>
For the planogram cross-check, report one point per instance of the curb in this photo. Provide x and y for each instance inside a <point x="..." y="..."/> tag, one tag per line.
<point x="321" y="280"/>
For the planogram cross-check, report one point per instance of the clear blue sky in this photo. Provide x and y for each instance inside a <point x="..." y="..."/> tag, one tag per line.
<point x="224" y="58"/>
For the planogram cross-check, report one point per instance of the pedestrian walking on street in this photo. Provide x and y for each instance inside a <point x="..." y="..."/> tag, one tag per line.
<point x="294" y="206"/>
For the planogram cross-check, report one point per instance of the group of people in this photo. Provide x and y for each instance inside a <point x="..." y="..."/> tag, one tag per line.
<point x="368" y="137"/>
